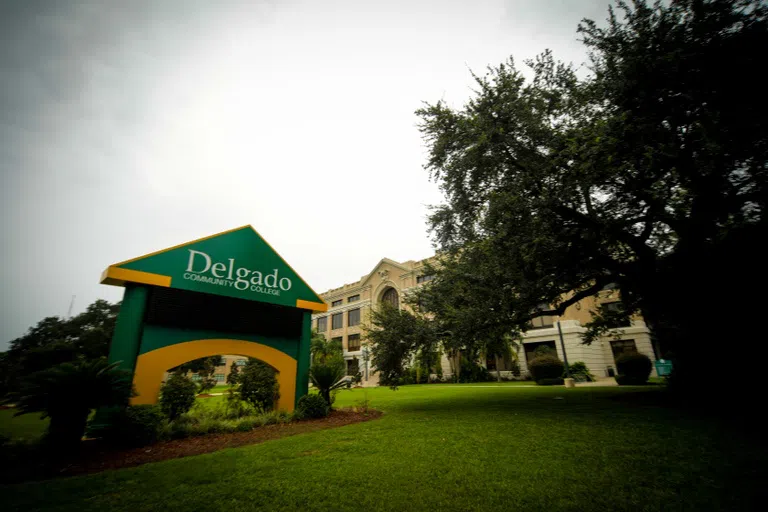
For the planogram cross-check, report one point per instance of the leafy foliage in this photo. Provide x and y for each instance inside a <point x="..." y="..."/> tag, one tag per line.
<point x="395" y="336"/>
<point x="580" y="372"/>
<point x="205" y="368"/>
<point x="68" y="392"/>
<point x="136" y="425"/>
<point x="323" y="349"/>
<point x="234" y="374"/>
<point x="327" y="377"/>
<point x="54" y="341"/>
<point x="634" y="368"/>
<point x="177" y="395"/>
<point x="312" y="406"/>
<point x="472" y="372"/>
<point x="546" y="367"/>
<point x="258" y="385"/>
<point x="648" y="172"/>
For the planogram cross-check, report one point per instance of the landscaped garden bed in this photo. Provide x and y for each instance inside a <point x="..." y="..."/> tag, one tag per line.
<point x="95" y="455"/>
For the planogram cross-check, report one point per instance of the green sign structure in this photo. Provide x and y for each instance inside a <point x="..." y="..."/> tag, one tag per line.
<point x="229" y="293"/>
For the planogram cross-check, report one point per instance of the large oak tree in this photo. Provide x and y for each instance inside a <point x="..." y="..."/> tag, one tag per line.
<point x="647" y="169"/>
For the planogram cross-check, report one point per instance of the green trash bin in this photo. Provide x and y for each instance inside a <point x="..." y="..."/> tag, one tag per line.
<point x="663" y="367"/>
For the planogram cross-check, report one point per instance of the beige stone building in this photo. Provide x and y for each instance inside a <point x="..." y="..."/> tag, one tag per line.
<point x="348" y="308"/>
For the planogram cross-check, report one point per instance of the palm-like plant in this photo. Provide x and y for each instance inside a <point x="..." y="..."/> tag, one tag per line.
<point x="68" y="392"/>
<point x="323" y="349"/>
<point x="326" y="376"/>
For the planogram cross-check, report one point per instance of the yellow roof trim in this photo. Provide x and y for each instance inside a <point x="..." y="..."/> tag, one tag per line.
<point x="182" y="245"/>
<point x="314" y="306"/>
<point x="119" y="276"/>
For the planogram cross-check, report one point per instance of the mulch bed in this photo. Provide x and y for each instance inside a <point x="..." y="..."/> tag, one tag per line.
<point x="95" y="456"/>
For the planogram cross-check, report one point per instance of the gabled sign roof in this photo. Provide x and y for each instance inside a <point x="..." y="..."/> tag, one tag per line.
<point x="236" y="263"/>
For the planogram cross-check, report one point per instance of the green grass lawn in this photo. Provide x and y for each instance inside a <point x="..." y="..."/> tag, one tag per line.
<point x="443" y="447"/>
<point x="221" y="388"/>
<point x="26" y="426"/>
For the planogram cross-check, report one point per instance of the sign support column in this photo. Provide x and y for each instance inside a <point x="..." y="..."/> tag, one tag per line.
<point x="302" y="361"/>
<point x="126" y="341"/>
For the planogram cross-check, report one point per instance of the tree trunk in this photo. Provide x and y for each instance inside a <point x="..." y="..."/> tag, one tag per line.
<point x="66" y="429"/>
<point x="498" y="372"/>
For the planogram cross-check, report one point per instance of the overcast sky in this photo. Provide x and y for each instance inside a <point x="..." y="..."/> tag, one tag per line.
<point x="127" y="127"/>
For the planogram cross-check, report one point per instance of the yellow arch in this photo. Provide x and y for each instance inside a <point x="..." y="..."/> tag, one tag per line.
<point x="151" y="366"/>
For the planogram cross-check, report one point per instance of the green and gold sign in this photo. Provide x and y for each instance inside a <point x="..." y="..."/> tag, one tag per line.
<point x="236" y="263"/>
<point x="162" y="325"/>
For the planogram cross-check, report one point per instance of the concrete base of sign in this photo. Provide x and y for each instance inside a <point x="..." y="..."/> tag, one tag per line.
<point x="570" y="383"/>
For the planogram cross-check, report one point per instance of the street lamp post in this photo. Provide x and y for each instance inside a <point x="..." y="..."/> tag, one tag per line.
<point x="562" y="346"/>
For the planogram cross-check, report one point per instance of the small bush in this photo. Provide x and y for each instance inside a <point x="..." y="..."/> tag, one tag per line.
<point x="470" y="371"/>
<point x="177" y="396"/>
<point x="236" y="407"/>
<point x="246" y="424"/>
<point x="546" y="366"/>
<point x="258" y="385"/>
<point x="580" y="372"/>
<point x="312" y="406"/>
<point x="634" y="369"/>
<point x="136" y="425"/>
<point x="551" y="382"/>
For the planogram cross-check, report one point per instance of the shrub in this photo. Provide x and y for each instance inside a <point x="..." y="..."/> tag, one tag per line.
<point x="547" y="366"/>
<point x="544" y="350"/>
<point x="312" y="406"/>
<point x="246" y="424"/>
<point x="327" y="376"/>
<point x="136" y="425"/>
<point x="177" y="396"/>
<point x="236" y="407"/>
<point x="551" y="382"/>
<point x="234" y="374"/>
<point x="515" y="367"/>
<point x="634" y="368"/>
<point x="470" y="371"/>
<point x="68" y="392"/>
<point x="580" y="372"/>
<point x="258" y="385"/>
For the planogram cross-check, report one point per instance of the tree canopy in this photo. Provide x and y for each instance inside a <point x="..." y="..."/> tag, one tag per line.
<point x="647" y="170"/>
<point x="56" y="340"/>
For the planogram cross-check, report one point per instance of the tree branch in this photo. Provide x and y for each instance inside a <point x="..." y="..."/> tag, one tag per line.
<point x="600" y="282"/>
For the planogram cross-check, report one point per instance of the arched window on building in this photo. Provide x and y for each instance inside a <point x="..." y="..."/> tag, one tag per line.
<point x="392" y="297"/>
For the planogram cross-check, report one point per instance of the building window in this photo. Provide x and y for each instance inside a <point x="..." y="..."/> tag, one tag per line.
<point x="353" y="342"/>
<point x="392" y="297"/>
<point x="542" y="322"/>
<point x="620" y="347"/>
<point x="337" y="321"/>
<point x="219" y="377"/>
<point x="424" y="279"/>
<point x="336" y="303"/>
<point x="353" y="366"/>
<point x="617" y="316"/>
<point x="353" y="317"/>
<point x="222" y="362"/>
<point x="196" y="377"/>
<point x="322" y="324"/>
<point x="353" y="298"/>
<point x="534" y="349"/>
<point x="241" y="362"/>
